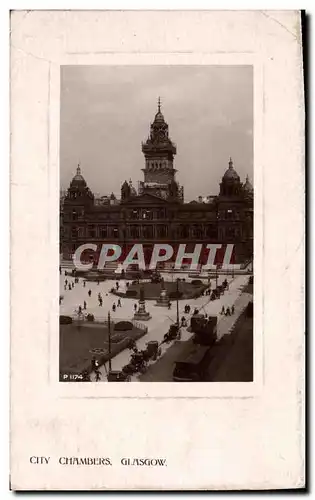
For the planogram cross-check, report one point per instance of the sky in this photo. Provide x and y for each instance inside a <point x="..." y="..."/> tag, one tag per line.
<point x="106" y="113"/>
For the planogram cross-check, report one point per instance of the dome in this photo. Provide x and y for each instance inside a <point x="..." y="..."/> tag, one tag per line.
<point x="248" y="186"/>
<point x="159" y="116"/>
<point x="78" y="179"/>
<point x="231" y="174"/>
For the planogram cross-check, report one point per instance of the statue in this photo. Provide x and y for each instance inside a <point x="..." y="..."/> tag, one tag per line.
<point x="125" y="191"/>
<point x="173" y="189"/>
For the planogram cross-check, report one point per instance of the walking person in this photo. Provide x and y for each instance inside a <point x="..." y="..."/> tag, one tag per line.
<point x="119" y="303"/>
<point x="135" y="307"/>
<point x="69" y="287"/>
<point x="84" y="305"/>
<point x="223" y="310"/>
<point x="66" y="282"/>
<point x="84" y="284"/>
<point x="114" y="307"/>
<point x="232" y="309"/>
<point x="89" y="293"/>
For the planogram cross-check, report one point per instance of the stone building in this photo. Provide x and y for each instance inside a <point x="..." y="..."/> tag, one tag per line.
<point x="157" y="212"/>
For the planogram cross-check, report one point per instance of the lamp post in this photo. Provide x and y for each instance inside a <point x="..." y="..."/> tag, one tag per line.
<point x="177" y="298"/>
<point x="109" y="346"/>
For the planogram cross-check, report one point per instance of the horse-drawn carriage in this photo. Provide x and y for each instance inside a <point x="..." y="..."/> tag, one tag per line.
<point x="172" y="334"/>
<point x="139" y="359"/>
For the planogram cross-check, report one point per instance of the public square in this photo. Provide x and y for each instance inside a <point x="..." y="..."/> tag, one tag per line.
<point x="157" y="326"/>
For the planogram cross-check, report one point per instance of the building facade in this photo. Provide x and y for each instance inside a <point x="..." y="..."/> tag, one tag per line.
<point x="157" y="212"/>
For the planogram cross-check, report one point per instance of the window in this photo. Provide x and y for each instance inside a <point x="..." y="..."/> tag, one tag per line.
<point x="197" y="231"/>
<point x="162" y="231"/>
<point x="148" y="232"/>
<point x="74" y="232"/>
<point x="211" y="231"/>
<point x="81" y="232"/>
<point x="160" y="214"/>
<point x="135" y="214"/>
<point x="134" y="232"/>
<point x="183" y="231"/>
<point x="103" y="232"/>
<point x="92" y="232"/>
<point x="147" y="214"/>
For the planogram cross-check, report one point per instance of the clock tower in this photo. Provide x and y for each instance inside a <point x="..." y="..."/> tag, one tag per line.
<point x="159" y="152"/>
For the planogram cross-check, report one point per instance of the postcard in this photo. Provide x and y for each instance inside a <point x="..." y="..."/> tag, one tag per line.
<point x="157" y="250"/>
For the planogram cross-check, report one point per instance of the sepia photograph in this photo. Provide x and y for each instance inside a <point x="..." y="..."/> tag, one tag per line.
<point x="156" y="224"/>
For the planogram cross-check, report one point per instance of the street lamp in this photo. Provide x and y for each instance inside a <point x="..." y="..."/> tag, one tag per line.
<point x="109" y="346"/>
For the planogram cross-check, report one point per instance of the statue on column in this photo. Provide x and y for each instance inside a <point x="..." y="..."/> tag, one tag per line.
<point x="141" y="314"/>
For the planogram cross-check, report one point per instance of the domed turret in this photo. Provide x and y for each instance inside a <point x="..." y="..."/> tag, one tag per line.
<point x="159" y="116"/>
<point x="231" y="172"/>
<point x="231" y="184"/>
<point x="248" y="186"/>
<point x="78" y="180"/>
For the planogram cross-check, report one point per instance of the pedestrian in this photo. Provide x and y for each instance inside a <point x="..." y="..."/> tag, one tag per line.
<point x="169" y="305"/>
<point x="72" y="284"/>
<point x="223" y="310"/>
<point x="228" y="312"/>
<point x="89" y="293"/>
<point x="98" y="282"/>
<point x="135" y="307"/>
<point x="98" y="375"/>
<point x="114" y="307"/>
<point x="119" y="303"/>
<point x="188" y="309"/>
<point x="232" y="309"/>
<point x="66" y="274"/>
<point x="69" y="286"/>
<point x="84" y="305"/>
<point x="66" y="282"/>
<point x="101" y="302"/>
<point x="117" y="285"/>
<point x="80" y="310"/>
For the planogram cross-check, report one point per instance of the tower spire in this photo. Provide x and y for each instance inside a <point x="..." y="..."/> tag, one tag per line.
<point x="159" y="104"/>
<point x="230" y="163"/>
<point x="78" y="169"/>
